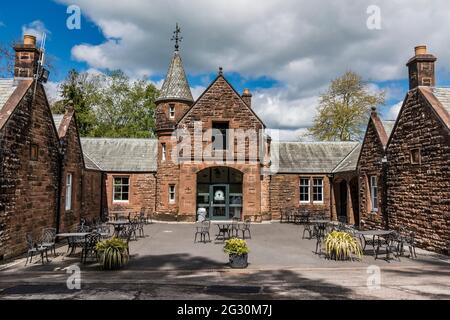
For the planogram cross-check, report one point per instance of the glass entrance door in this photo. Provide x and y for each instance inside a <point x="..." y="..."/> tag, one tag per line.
<point x="219" y="202"/>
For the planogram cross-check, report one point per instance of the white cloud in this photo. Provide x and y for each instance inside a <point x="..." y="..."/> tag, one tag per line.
<point x="52" y="91"/>
<point x="2" y="24"/>
<point x="36" y="28"/>
<point x="393" y="111"/>
<point x="301" y="44"/>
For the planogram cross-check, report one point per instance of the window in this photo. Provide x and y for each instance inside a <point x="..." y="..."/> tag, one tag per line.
<point x="219" y="135"/>
<point x="171" y="111"/>
<point x="415" y="156"/>
<point x="69" y="192"/>
<point x="304" y="190"/>
<point x="121" y="189"/>
<point x="374" y="193"/>
<point x="172" y="194"/>
<point x="318" y="190"/>
<point x="34" y="152"/>
<point x="163" y="152"/>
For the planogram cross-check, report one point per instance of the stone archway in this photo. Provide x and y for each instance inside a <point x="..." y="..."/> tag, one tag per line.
<point x="220" y="192"/>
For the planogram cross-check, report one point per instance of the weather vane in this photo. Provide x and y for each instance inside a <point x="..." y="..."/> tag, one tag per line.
<point x="177" y="38"/>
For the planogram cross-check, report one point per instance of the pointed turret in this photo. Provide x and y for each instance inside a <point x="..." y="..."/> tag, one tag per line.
<point x="176" y="86"/>
<point x="175" y="96"/>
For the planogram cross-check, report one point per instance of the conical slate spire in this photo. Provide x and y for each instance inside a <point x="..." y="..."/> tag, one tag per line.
<point x="176" y="86"/>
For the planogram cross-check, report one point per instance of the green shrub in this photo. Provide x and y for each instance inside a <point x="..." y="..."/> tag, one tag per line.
<point x="342" y="246"/>
<point x="236" y="246"/>
<point x="113" y="253"/>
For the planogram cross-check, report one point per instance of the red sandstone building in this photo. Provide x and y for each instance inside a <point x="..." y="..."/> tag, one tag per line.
<point x="213" y="153"/>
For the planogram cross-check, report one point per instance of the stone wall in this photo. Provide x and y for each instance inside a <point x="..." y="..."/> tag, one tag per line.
<point x="72" y="163"/>
<point x="91" y="194"/>
<point x="28" y="189"/>
<point x="222" y="104"/>
<point x="168" y="174"/>
<point x="142" y="193"/>
<point x="418" y="193"/>
<point x="285" y="193"/>
<point x="370" y="164"/>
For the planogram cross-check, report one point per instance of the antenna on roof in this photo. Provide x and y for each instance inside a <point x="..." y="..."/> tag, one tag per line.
<point x="42" y="74"/>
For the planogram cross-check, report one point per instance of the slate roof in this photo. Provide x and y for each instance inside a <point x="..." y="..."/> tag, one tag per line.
<point x="309" y="157"/>
<point x="443" y="95"/>
<point x="7" y="88"/>
<point x="90" y="164"/>
<point x="350" y="162"/>
<point x="176" y="85"/>
<point x="121" y="155"/>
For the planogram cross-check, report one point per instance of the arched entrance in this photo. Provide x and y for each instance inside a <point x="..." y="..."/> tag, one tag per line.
<point x="219" y="191"/>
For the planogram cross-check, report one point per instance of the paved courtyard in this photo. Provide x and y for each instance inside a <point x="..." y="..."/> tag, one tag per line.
<point x="168" y="265"/>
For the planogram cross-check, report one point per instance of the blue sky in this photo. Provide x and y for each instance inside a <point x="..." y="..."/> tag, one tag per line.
<point x="286" y="52"/>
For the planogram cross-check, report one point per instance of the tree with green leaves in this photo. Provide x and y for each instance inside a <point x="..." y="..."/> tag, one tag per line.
<point x="344" y="109"/>
<point x="81" y="90"/>
<point x="110" y="105"/>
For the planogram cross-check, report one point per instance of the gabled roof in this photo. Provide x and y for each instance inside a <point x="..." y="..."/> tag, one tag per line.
<point x="90" y="164"/>
<point x="176" y="86"/>
<point x="11" y="93"/>
<point x="7" y="87"/>
<point x="439" y="98"/>
<point x="350" y="162"/>
<point x="309" y="157"/>
<point x="121" y="155"/>
<point x="221" y="77"/>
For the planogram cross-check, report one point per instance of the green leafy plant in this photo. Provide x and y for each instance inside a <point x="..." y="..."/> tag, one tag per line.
<point x="236" y="246"/>
<point x="342" y="246"/>
<point x="113" y="253"/>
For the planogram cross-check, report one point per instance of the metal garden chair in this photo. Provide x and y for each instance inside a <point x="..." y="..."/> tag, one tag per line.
<point x="34" y="248"/>
<point x="246" y="229"/>
<point x="48" y="239"/>
<point x="89" y="247"/>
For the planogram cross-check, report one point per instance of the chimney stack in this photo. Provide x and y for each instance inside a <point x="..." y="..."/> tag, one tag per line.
<point x="27" y="58"/>
<point x="247" y="97"/>
<point x="421" y="68"/>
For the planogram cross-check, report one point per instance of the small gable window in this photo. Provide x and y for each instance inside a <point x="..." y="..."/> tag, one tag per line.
<point x="416" y="157"/>
<point x="34" y="152"/>
<point x="220" y="135"/>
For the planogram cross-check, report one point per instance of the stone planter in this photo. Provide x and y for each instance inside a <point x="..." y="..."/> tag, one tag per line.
<point x="238" y="262"/>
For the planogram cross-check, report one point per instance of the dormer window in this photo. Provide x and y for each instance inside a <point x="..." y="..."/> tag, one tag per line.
<point x="171" y="111"/>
